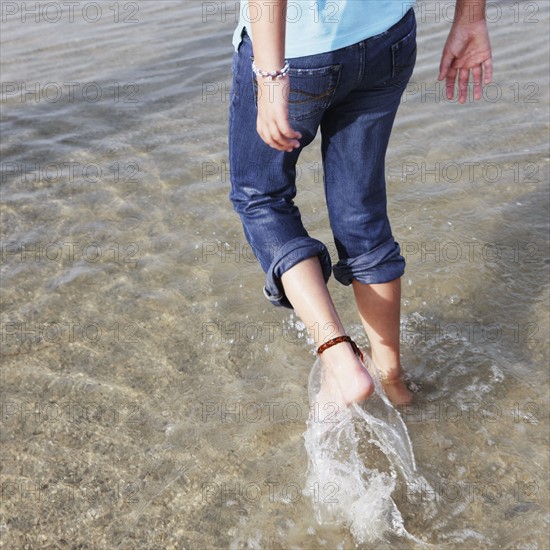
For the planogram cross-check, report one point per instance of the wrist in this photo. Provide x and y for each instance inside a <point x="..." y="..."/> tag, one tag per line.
<point x="271" y="74"/>
<point x="469" y="11"/>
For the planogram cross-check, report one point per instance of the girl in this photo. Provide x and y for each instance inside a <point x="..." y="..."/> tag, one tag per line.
<point x="340" y="66"/>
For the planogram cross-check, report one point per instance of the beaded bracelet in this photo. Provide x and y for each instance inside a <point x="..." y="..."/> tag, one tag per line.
<point x="271" y="75"/>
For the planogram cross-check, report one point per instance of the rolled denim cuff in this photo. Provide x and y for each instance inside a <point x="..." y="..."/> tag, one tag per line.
<point x="290" y="254"/>
<point x="381" y="265"/>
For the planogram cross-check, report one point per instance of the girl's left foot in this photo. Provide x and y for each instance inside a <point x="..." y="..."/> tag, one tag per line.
<point x="344" y="378"/>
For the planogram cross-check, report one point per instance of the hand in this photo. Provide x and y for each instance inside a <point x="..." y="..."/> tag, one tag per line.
<point x="273" y="124"/>
<point x="467" y="49"/>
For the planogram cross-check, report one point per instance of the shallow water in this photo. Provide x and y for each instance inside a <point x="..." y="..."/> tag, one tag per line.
<point x="355" y="457"/>
<point x="153" y="398"/>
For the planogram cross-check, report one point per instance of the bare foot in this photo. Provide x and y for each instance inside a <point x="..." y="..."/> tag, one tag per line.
<point x="397" y="391"/>
<point x="394" y="386"/>
<point x="344" y="380"/>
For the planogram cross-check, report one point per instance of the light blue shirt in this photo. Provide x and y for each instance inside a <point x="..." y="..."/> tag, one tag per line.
<point x="319" y="26"/>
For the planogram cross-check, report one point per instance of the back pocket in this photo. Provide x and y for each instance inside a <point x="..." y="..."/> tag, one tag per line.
<point x="311" y="90"/>
<point x="404" y="54"/>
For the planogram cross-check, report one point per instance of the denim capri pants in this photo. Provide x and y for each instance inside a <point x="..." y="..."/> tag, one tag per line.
<point x="352" y="95"/>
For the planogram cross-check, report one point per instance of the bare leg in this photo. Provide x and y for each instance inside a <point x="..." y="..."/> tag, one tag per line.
<point x="345" y="379"/>
<point x="379" y="308"/>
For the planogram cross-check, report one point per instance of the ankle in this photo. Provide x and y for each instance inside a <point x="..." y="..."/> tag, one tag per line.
<point x="338" y="356"/>
<point x="388" y="367"/>
<point x="340" y="340"/>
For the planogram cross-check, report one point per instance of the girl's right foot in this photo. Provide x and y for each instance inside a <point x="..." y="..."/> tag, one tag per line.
<point x="394" y="386"/>
<point x="397" y="391"/>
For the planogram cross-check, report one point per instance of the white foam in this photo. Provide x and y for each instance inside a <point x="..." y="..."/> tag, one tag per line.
<point x="343" y="489"/>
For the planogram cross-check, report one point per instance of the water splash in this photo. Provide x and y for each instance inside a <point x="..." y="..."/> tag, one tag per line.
<point x="356" y="456"/>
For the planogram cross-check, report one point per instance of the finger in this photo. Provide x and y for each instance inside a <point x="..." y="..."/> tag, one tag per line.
<point x="287" y="131"/>
<point x="282" y="143"/>
<point x="450" y="83"/>
<point x="463" y="77"/>
<point x="290" y="133"/>
<point x="282" y="136"/>
<point x="268" y="138"/>
<point x="488" y="66"/>
<point x="478" y="82"/>
<point x="273" y="135"/>
<point x="444" y="66"/>
<point x="275" y="139"/>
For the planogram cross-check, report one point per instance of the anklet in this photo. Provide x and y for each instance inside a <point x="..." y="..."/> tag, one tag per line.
<point x="338" y="340"/>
